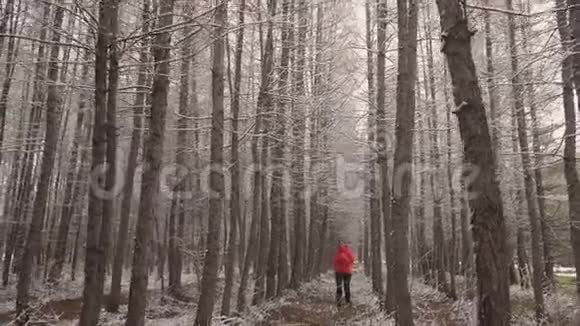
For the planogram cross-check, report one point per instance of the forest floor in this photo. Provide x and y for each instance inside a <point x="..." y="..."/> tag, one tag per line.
<point x="312" y="304"/>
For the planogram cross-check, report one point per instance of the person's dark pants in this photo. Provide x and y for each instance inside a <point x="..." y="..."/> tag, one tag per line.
<point x="343" y="281"/>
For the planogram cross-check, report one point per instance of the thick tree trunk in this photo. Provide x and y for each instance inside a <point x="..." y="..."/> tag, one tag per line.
<point x="111" y="190"/>
<point x="278" y="205"/>
<point x="153" y="155"/>
<point x="489" y="230"/>
<point x="570" y="72"/>
<point x="95" y="252"/>
<point x="536" y="236"/>
<point x="402" y="178"/>
<point x="216" y="183"/>
<point x="34" y="239"/>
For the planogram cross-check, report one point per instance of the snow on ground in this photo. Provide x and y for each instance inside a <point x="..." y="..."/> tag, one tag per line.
<point x="314" y="304"/>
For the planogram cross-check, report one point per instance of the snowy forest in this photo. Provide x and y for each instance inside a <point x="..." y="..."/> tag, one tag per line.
<point x="198" y="162"/>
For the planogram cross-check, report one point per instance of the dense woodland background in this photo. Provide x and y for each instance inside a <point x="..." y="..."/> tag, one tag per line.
<point x="215" y="152"/>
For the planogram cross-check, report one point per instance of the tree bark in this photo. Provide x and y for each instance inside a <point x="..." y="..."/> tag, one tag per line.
<point x="235" y="206"/>
<point x="297" y="168"/>
<point x="34" y="239"/>
<point x="380" y="123"/>
<point x="452" y="211"/>
<point x="402" y="178"/>
<point x="153" y="155"/>
<point x="536" y="236"/>
<point x="549" y="281"/>
<point x="6" y="17"/>
<point x="209" y="280"/>
<point x="570" y="72"/>
<point x="251" y="252"/>
<point x="439" y="252"/>
<point x="489" y="230"/>
<point x="127" y="199"/>
<point x="71" y="196"/>
<point x="279" y="205"/>
<point x="95" y="250"/>
<point x="268" y="255"/>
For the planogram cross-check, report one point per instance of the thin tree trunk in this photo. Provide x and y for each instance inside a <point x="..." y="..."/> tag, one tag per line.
<point x="127" y="199"/>
<point x="235" y="206"/>
<point x="208" y="288"/>
<point x="269" y="254"/>
<point x="182" y="158"/>
<point x="371" y="191"/>
<point x="297" y="167"/>
<point x="6" y="17"/>
<point x="34" y="239"/>
<point x="537" y="147"/>
<point x="71" y="196"/>
<point x="439" y="252"/>
<point x="452" y="210"/>
<point x="489" y="228"/>
<point x="381" y="129"/>
<point x="536" y="236"/>
<point x="250" y="258"/>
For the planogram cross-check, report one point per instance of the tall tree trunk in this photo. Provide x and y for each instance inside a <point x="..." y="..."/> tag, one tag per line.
<point x="297" y="168"/>
<point x="546" y="232"/>
<point x="235" y="205"/>
<point x="536" y="236"/>
<point x="519" y="211"/>
<point x="279" y="205"/>
<point x="439" y="252"/>
<point x="375" y="206"/>
<point x="405" y="123"/>
<point x="71" y="196"/>
<point x="34" y="239"/>
<point x="182" y="159"/>
<point x="95" y="252"/>
<point x="216" y="183"/>
<point x="270" y="241"/>
<point x="452" y="210"/>
<point x="153" y="155"/>
<point x="6" y="18"/>
<point x="570" y="72"/>
<point x="490" y="81"/>
<point x="111" y="187"/>
<point x="10" y="203"/>
<point x="489" y="230"/>
<point x="250" y="258"/>
<point x="574" y="36"/>
<point x="127" y="199"/>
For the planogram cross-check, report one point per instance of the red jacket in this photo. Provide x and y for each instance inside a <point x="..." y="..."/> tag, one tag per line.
<point x="343" y="260"/>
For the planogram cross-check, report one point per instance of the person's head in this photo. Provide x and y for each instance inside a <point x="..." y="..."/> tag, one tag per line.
<point x="341" y="243"/>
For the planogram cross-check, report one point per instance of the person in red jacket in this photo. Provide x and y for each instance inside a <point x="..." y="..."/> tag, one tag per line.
<point x="342" y="263"/>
